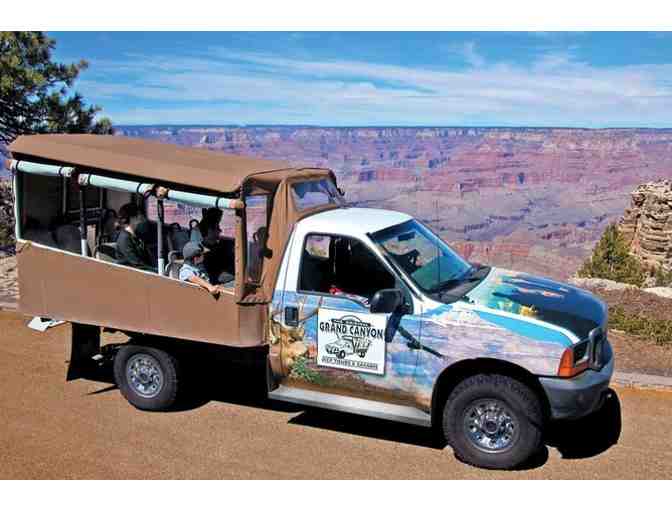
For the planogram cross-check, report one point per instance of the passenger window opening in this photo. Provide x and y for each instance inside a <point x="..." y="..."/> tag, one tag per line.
<point x="50" y="214"/>
<point x="123" y="227"/>
<point x="94" y="199"/>
<point x="342" y="266"/>
<point x="211" y="228"/>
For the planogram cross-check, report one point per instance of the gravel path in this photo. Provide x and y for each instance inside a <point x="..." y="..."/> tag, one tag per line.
<point x="9" y="289"/>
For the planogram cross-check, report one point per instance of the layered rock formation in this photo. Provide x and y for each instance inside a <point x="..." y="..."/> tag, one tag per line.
<point x="647" y="224"/>
<point x="533" y="199"/>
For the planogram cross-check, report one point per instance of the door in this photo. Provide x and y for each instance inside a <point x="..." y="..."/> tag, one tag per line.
<point x="328" y="339"/>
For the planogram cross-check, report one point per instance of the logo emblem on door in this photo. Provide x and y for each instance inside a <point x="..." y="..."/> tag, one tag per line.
<point x="351" y="341"/>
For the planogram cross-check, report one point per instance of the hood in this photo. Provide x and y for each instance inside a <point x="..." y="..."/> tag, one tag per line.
<point x="540" y="298"/>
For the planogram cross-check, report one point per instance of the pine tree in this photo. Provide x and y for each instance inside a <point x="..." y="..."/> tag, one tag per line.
<point x="611" y="259"/>
<point x="35" y="92"/>
<point x="36" y="97"/>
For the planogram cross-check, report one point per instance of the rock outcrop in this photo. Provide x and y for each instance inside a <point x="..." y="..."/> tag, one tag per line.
<point x="647" y="224"/>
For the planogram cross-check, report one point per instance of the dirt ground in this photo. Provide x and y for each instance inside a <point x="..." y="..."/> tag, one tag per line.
<point x="634" y="354"/>
<point x="85" y="429"/>
<point x="9" y="290"/>
<point x="638" y="302"/>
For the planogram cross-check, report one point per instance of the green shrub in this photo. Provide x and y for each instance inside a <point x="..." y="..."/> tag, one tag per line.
<point x="659" y="330"/>
<point x="7" y="240"/>
<point x="611" y="259"/>
<point x="663" y="278"/>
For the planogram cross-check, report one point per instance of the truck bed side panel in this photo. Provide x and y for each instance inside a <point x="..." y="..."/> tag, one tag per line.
<point x="70" y="287"/>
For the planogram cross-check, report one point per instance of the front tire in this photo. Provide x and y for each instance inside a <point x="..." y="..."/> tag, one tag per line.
<point x="493" y="421"/>
<point x="147" y="377"/>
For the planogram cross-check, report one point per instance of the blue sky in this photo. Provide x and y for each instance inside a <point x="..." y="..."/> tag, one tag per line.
<point x="584" y="79"/>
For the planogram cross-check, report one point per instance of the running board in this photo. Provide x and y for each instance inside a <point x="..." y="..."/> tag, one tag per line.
<point x="394" y="412"/>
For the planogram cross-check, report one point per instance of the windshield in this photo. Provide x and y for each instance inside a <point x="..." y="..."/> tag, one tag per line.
<point x="427" y="260"/>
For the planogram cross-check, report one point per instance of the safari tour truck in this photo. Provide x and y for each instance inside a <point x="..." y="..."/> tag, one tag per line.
<point x="359" y="310"/>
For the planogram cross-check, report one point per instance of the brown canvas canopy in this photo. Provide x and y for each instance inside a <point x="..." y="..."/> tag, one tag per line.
<point x="200" y="168"/>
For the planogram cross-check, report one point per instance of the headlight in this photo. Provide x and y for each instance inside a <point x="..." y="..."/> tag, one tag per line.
<point x="575" y="359"/>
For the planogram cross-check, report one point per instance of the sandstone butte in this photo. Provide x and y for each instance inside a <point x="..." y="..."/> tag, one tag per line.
<point x="647" y="223"/>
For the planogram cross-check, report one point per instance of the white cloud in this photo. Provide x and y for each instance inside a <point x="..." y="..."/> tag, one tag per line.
<point x="471" y="55"/>
<point x="232" y="87"/>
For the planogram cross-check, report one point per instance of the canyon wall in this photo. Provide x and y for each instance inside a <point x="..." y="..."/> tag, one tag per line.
<point x="527" y="198"/>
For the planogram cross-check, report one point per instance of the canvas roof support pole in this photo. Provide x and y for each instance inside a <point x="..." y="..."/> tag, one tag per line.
<point x="143" y="188"/>
<point x="241" y="254"/>
<point x="159" y="227"/>
<point x="204" y="201"/>
<point x="115" y="184"/>
<point x="82" y="220"/>
<point x="39" y="168"/>
<point x="17" y="185"/>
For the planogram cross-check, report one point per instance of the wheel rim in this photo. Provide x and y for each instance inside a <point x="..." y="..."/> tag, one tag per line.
<point x="144" y="375"/>
<point x="490" y="425"/>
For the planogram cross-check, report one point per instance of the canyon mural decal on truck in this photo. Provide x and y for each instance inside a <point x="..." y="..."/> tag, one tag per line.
<point x="422" y="346"/>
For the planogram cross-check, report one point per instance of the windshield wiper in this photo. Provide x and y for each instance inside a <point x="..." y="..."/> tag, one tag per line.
<point x="445" y="285"/>
<point x="473" y="275"/>
<point x="479" y="273"/>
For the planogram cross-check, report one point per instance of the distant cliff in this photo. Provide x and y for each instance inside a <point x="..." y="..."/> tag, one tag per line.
<point x="535" y="199"/>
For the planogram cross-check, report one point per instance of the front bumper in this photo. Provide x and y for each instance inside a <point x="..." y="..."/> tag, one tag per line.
<point x="581" y="395"/>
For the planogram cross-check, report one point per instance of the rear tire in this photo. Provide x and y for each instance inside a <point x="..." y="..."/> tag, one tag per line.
<point x="147" y="377"/>
<point x="493" y="421"/>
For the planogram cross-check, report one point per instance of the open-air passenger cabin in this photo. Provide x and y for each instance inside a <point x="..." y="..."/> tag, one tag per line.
<point x="68" y="192"/>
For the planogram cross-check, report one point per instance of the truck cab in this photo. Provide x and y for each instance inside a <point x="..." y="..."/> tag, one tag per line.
<point x="360" y="310"/>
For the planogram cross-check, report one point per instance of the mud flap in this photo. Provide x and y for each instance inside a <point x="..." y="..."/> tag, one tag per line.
<point x="85" y="345"/>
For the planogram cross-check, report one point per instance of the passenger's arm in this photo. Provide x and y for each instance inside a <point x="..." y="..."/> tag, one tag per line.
<point x="212" y="289"/>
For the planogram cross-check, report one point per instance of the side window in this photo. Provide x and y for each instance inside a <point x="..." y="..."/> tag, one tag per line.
<point x="318" y="246"/>
<point x="340" y="265"/>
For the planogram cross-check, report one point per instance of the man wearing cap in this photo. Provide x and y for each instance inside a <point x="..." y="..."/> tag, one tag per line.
<point x="192" y="270"/>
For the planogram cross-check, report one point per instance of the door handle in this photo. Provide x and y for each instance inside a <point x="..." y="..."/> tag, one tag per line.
<point x="291" y="316"/>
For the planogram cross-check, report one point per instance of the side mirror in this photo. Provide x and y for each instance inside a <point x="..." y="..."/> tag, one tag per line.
<point x="386" y="301"/>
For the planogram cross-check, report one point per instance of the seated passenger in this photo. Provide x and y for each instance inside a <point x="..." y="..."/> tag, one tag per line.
<point x="256" y="252"/>
<point x="192" y="270"/>
<point x="34" y="231"/>
<point x="130" y="250"/>
<point x="208" y="231"/>
<point x="109" y="226"/>
<point x="219" y="260"/>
